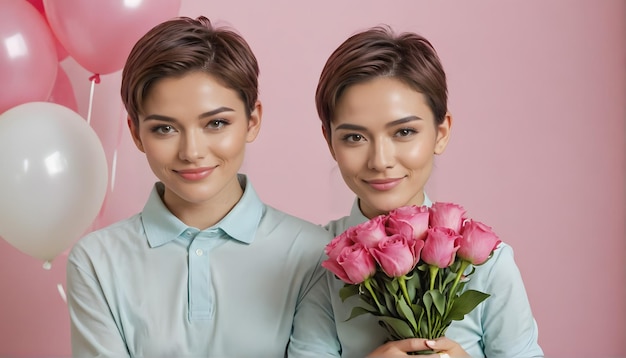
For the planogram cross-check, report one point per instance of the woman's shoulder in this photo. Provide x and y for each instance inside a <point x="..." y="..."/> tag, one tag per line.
<point x="276" y="219"/>
<point x="502" y="255"/>
<point x="336" y="227"/>
<point x="101" y="239"/>
<point x="501" y="269"/>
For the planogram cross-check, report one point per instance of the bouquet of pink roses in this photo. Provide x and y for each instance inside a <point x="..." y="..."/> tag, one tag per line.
<point x="410" y="267"/>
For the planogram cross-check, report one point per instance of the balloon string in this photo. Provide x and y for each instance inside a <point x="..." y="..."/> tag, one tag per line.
<point x="113" y="166"/>
<point x="62" y="292"/>
<point x="120" y="128"/>
<point x="94" y="79"/>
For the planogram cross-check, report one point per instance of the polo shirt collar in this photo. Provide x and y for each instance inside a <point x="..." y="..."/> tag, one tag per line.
<point x="241" y="223"/>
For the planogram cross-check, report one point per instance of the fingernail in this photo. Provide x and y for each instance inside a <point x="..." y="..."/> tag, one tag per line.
<point x="431" y="344"/>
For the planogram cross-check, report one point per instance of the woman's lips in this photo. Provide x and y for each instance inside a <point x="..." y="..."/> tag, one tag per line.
<point x="195" y="174"/>
<point x="383" y="184"/>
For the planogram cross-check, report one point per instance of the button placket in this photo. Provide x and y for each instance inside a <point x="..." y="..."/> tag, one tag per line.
<point x="201" y="300"/>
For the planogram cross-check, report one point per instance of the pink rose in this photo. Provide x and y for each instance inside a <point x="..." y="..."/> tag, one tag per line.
<point x="414" y="216"/>
<point x="397" y="255"/>
<point x="336" y="245"/>
<point x="477" y="242"/>
<point x="357" y="263"/>
<point x="447" y="215"/>
<point x="440" y="247"/>
<point x="334" y="267"/>
<point x="371" y="232"/>
<point x="353" y="264"/>
<point x="334" y="248"/>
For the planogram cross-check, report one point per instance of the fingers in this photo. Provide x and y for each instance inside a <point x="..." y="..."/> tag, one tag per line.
<point x="401" y="348"/>
<point x="411" y="345"/>
<point x="447" y="346"/>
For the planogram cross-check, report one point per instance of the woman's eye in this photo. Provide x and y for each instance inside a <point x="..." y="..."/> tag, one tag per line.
<point x="352" y="138"/>
<point x="405" y="132"/>
<point x="216" y="124"/>
<point x="164" y="129"/>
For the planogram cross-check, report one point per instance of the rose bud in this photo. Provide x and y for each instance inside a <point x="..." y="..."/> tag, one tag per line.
<point x="415" y="216"/>
<point x="477" y="242"/>
<point x="396" y="255"/>
<point x="447" y="215"/>
<point x="440" y="247"/>
<point x="371" y="232"/>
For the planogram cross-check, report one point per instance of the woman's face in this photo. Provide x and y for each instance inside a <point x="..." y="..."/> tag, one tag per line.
<point x="384" y="140"/>
<point x="194" y="132"/>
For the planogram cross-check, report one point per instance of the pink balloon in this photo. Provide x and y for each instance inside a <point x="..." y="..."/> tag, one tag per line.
<point x="61" y="51"/>
<point x="63" y="92"/>
<point x="100" y="34"/>
<point x="28" y="59"/>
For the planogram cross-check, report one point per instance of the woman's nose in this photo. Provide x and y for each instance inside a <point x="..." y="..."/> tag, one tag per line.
<point x="192" y="146"/>
<point x="382" y="155"/>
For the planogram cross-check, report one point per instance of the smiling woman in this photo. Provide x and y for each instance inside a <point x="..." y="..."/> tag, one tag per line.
<point x="194" y="132"/>
<point x="175" y="279"/>
<point x="382" y="99"/>
<point x="384" y="136"/>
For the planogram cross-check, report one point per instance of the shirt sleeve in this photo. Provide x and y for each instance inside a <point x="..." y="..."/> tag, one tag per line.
<point x="510" y="330"/>
<point x="93" y="329"/>
<point x="313" y="333"/>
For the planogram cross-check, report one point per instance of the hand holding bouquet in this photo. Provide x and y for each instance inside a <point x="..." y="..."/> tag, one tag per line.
<point x="410" y="267"/>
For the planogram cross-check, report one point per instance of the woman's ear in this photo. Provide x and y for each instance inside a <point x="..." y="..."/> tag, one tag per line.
<point x="443" y="134"/>
<point x="134" y="132"/>
<point x="254" y="122"/>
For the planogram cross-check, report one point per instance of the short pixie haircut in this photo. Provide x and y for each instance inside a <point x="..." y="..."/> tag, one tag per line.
<point x="182" y="45"/>
<point x="379" y="52"/>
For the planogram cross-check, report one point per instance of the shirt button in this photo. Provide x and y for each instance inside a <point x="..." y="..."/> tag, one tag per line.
<point x="199" y="252"/>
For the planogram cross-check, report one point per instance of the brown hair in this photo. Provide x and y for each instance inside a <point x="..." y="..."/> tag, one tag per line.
<point x="182" y="45"/>
<point x="379" y="52"/>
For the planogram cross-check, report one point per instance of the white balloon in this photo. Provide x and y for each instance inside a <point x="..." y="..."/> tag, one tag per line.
<point x="53" y="178"/>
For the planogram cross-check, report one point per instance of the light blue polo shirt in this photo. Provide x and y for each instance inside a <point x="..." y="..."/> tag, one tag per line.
<point x="150" y="286"/>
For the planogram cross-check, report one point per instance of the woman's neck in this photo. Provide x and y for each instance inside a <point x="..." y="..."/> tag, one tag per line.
<point x="205" y="214"/>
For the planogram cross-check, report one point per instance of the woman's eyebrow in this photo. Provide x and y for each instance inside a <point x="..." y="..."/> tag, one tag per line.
<point x="356" y="127"/>
<point x="403" y="120"/>
<point x="215" y="111"/>
<point x="159" y="117"/>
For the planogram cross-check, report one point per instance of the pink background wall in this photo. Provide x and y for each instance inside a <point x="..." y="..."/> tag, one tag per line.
<point x="537" y="90"/>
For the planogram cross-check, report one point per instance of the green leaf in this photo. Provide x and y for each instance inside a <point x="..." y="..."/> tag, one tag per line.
<point x="392" y="286"/>
<point x="464" y="304"/>
<point x="421" y="319"/>
<point x="392" y="335"/>
<point x="348" y="290"/>
<point x="405" y="311"/>
<point x="428" y="302"/>
<point x="450" y="277"/>
<point x="400" y="328"/>
<point x="390" y="302"/>
<point x="456" y="265"/>
<point x="418" y="311"/>
<point x="437" y="298"/>
<point x="423" y="267"/>
<point x="357" y="311"/>
<point x="413" y="285"/>
<point x="376" y="283"/>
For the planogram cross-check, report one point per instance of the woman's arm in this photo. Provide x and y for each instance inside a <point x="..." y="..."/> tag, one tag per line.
<point x="314" y="332"/>
<point x="509" y="328"/>
<point x="93" y="329"/>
